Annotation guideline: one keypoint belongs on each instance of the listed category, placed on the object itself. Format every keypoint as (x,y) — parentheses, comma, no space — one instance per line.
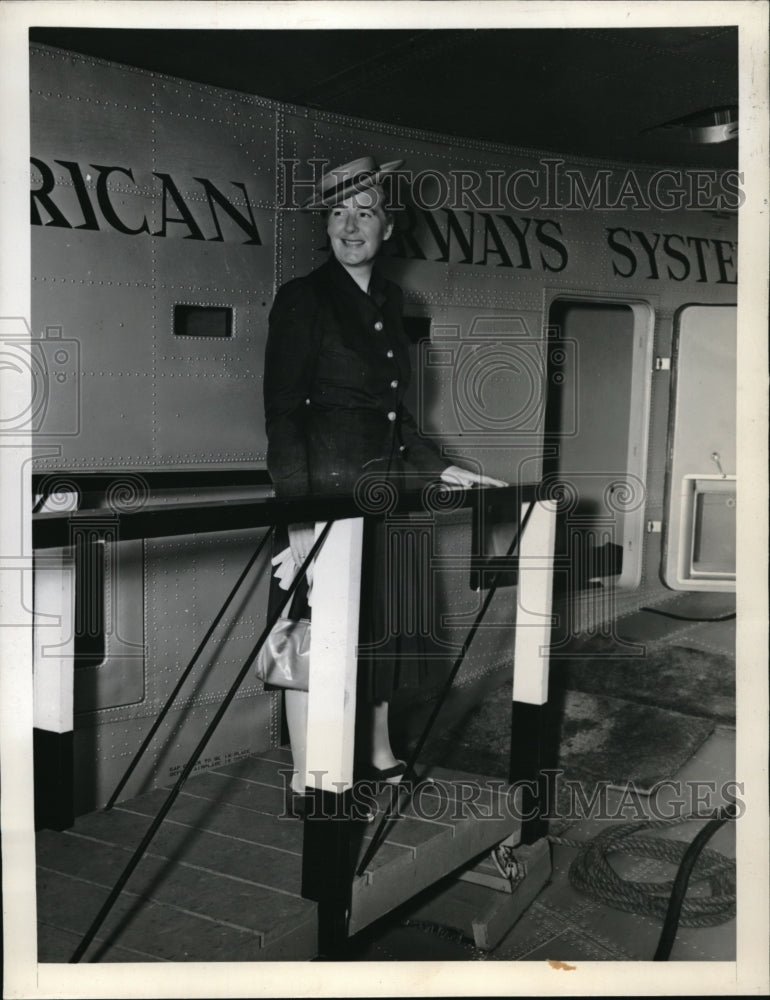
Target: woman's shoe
(387,775)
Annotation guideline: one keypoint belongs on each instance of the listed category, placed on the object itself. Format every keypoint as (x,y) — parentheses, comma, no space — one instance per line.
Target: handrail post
(327,862)
(53,674)
(531,662)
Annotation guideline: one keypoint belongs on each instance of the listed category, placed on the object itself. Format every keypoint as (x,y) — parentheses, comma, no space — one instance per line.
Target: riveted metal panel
(190,122)
(479,388)
(119,315)
(102,753)
(62,255)
(179,440)
(104,103)
(120,426)
(187,581)
(227,272)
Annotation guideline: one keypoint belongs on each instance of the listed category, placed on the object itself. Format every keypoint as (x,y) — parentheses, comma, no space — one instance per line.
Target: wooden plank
(433,859)
(457,797)
(189,889)
(56,944)
(383,862)
(299,944)
(278,755)
(238,821)
(236,901)
(485,872)
(410,832)
(272,831)
(241,858)
(501,912)
(256,768)
(219,789)
(167,932)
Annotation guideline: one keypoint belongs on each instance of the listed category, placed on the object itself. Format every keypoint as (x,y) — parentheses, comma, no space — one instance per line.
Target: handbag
(284,660)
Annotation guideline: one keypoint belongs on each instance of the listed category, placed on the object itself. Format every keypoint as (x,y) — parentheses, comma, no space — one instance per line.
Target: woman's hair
(383,202)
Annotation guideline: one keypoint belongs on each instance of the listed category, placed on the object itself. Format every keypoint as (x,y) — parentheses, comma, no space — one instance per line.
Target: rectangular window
(203,321)
(714,533)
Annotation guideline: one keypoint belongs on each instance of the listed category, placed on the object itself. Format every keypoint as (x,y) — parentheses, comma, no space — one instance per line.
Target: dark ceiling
(592,92)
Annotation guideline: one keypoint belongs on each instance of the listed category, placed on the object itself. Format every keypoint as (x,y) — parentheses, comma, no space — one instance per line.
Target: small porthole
(203,321)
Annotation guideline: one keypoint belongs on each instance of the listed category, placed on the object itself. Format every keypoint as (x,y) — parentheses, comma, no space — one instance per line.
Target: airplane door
(699,548)
(596,433)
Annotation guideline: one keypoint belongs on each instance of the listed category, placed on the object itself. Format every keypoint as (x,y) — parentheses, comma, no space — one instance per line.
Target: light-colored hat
(341,182)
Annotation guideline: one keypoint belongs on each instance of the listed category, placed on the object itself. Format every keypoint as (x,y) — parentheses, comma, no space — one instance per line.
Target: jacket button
(378,325)
(394,384)
(389,354)
(392,415)
(402,447)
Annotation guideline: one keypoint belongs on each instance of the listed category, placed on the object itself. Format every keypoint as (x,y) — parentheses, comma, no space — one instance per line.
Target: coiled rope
(592,874)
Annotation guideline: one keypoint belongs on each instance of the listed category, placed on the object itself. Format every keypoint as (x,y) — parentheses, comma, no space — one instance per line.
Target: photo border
(24,977)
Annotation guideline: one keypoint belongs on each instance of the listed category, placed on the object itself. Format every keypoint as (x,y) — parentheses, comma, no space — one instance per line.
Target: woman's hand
(301,539)
(455,475)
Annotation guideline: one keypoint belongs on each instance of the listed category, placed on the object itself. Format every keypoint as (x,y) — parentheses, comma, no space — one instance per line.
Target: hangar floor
(221,881)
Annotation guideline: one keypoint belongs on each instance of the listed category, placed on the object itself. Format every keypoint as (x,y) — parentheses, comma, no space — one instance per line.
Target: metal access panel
(702,486)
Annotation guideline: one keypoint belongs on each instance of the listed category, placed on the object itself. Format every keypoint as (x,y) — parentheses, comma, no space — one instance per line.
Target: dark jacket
(336,371)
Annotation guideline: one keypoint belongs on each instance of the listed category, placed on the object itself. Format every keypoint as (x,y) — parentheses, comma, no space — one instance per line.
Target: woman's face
(357,228)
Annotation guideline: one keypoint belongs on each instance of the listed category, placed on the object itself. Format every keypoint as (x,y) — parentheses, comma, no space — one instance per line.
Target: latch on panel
(715,459)
(662,364)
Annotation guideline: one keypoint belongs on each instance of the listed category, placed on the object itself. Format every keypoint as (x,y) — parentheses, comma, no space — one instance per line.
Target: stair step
(450,822)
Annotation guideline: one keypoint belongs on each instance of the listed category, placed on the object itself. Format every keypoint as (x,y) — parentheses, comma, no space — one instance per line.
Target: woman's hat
(342,182)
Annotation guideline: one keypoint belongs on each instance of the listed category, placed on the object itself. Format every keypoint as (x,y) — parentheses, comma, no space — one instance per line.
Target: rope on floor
(711,902)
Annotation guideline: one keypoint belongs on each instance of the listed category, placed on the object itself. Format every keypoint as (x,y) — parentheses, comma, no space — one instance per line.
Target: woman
(336,371)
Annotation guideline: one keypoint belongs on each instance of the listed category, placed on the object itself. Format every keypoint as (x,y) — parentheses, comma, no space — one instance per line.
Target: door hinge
(662,364)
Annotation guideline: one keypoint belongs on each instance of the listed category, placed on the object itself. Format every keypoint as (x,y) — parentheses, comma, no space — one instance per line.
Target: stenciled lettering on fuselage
(174,208)
(672,256)
(444,235)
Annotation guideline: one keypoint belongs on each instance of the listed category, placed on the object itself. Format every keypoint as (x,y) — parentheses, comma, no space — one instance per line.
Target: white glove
(458,477)
(286,570)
